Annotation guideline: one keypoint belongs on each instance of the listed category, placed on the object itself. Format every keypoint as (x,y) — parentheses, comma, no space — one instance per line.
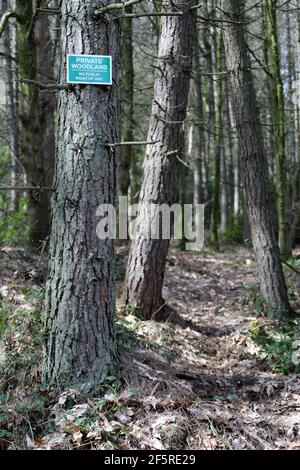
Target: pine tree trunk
(29,98)
(80,294)
(259,202)
(146,265)
(46,108)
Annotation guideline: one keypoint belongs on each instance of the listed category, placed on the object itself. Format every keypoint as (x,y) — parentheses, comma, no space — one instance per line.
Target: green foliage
(279,345)
(126,335)
(255,301)
(5,311)
(13,228)
(234,232)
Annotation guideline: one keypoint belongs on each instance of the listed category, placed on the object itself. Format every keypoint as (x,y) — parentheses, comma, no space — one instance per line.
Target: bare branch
(144,14)
(46,86)
(116,6)
(49,11)
(141,15)
(25,188)
(120,144)
(290,266)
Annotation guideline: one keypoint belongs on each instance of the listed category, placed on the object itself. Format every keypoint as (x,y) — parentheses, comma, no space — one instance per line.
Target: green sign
(89,69)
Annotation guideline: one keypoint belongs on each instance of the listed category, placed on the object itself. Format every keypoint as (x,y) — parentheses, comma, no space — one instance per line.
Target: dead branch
(46,86)
(25,188)
(116,6)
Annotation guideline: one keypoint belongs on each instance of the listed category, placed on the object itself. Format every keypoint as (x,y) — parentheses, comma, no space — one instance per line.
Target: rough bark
(36,115)
(46,107)
(259,201)
(146,265)
(80,295)
(29,95)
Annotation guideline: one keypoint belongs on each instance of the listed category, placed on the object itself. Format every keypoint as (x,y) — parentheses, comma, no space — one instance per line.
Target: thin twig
(120,144)
(116,6)
(25,188)
(49,11)
(142,15)
(46,86)
(290,266)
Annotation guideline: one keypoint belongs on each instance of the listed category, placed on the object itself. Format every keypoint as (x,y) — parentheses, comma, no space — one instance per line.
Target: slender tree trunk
(235,153)
(29,99)
(211,111)
(278,119)
(259,202)
(146,265)
(127,91)
(80,289)
(224,191)
(46,107)
(218,155)
(11,109)
(36,148)
(199,132)
(230,153)
(294,214)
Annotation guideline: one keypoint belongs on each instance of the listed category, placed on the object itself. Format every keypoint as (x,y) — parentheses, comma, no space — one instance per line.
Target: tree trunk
(231,153)
(80,294)
(259,202)
(278,121)
(11,109)
(127,94)
(36,148)
(294,72)
(146,265)
(46,107)
(224,191)
(199,130)
(218,154)
(211,111)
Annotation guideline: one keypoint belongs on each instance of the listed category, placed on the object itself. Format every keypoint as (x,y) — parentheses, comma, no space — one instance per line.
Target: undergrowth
(279,344)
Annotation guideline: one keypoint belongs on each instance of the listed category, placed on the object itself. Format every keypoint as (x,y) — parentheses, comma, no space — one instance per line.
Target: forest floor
(222,379)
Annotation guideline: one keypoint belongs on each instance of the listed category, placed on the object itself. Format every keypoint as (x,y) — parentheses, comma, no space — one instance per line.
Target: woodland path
(228,400)
(201,388)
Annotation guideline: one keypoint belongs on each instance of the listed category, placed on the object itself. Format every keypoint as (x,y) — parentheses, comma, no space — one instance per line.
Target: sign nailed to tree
(89,69)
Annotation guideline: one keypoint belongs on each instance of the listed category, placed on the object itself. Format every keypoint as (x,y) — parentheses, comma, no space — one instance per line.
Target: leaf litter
(198,385)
